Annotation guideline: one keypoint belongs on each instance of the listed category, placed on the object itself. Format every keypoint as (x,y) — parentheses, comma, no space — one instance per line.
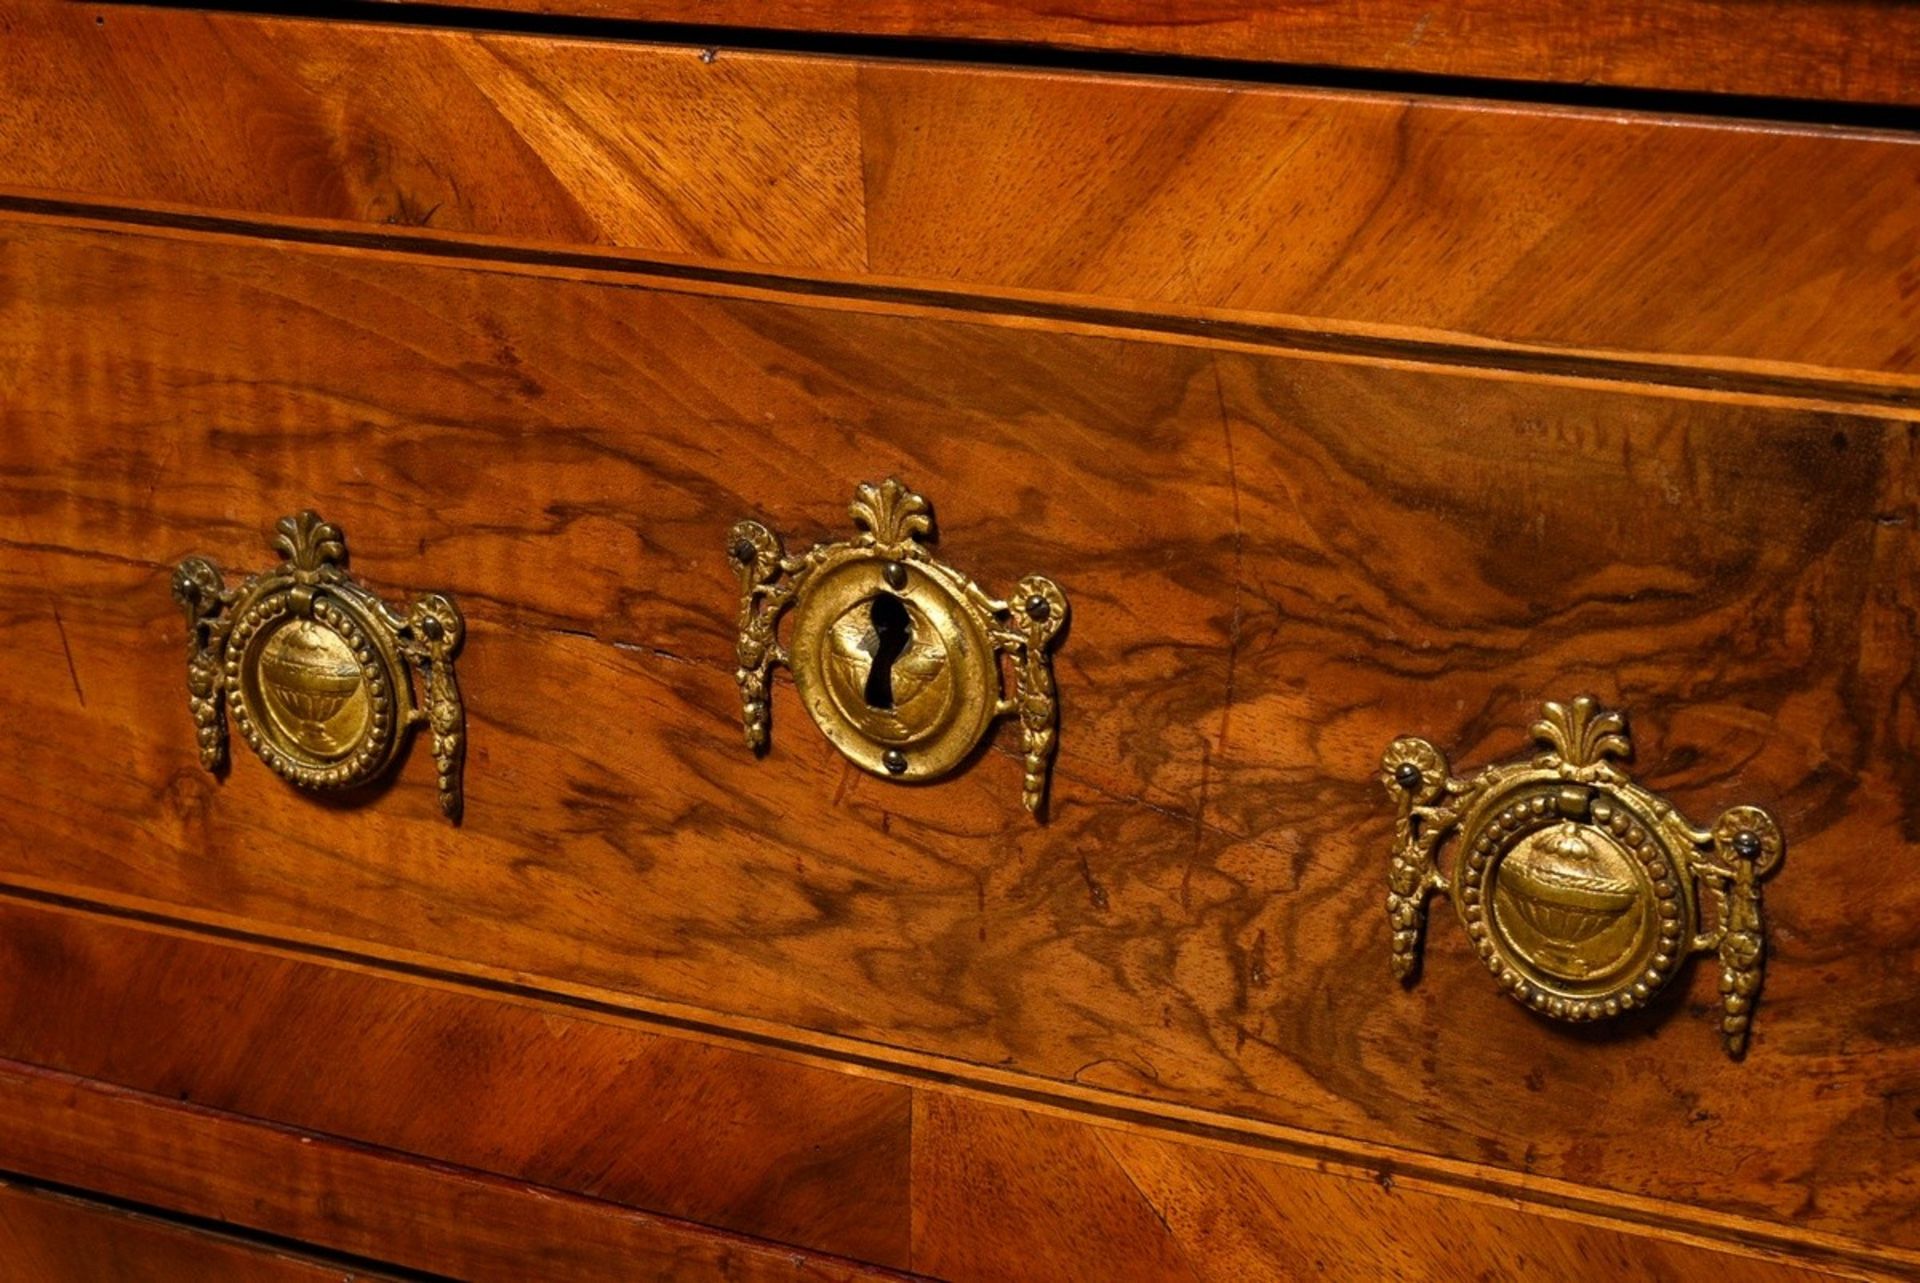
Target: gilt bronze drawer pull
(1580,889)
(897,658)
(318,672)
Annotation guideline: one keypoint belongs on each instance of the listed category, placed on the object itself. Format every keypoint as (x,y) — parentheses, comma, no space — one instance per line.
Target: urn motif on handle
(1582,892)
(323,679)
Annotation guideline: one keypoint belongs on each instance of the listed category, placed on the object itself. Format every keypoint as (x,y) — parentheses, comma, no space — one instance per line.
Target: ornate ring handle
(897,657)
(317,671)
(1581,890)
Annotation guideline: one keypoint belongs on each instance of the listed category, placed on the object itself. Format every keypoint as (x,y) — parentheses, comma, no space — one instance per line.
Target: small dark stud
(895,761)
(1039,608)
(1407,776)
(1746,845)
(744,552)
(431,627)
(896,576)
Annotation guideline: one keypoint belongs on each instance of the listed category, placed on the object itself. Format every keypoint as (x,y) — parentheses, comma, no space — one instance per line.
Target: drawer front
(1279,561)
(54,1238)
(1782,48)
(478,1168)
(1353,219)
(1339,417)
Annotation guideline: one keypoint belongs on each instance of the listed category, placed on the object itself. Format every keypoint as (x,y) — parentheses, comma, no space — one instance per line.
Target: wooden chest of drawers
(1343,403)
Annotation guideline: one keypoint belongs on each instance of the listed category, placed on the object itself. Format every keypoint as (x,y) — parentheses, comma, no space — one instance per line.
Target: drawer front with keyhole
(1298,455)
(1276,567)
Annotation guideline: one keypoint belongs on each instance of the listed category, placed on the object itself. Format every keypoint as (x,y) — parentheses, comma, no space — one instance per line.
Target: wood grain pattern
(52,1238)
(999,1193)
(784,1152)
(1679,236)
(1852,50)
(1646,234)
(569,142)
(357,1200)
(1277,565)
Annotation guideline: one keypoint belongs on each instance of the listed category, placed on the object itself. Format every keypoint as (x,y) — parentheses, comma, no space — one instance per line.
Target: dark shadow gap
(349,1263)
(1028,56)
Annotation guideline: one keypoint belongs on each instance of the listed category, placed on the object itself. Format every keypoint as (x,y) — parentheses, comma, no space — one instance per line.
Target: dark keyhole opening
(892,630)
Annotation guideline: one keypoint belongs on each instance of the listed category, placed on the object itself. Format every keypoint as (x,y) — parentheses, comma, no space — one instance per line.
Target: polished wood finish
(796,1153)
(1850,50)
(1495,224)
(997,1189)
(350,1198)
(1278,563)
(53,1238)
(1004,1194)
(1338,414)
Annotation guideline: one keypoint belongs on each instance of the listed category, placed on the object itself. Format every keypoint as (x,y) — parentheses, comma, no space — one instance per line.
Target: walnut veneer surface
(1338,414)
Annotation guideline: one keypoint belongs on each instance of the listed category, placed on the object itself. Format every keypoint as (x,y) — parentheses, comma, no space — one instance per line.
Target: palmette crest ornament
(1582,892)
(323,679)
(896,657)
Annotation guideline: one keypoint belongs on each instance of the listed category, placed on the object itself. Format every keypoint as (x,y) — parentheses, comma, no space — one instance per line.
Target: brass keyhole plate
(318,673)
(1582,892)
(944,683)
(907,698)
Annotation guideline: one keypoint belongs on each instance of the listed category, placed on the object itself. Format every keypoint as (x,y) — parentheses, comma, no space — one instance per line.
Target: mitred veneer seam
(1384,1161)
